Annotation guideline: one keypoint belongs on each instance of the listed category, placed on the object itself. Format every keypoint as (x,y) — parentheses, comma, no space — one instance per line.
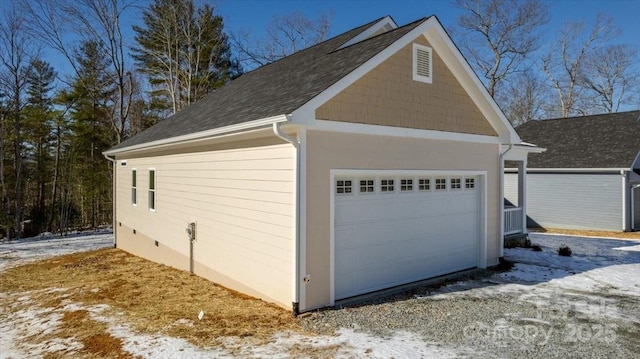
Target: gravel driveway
(547,306)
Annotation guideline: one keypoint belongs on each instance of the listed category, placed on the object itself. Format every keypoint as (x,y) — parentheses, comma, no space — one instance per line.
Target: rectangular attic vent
(422,63)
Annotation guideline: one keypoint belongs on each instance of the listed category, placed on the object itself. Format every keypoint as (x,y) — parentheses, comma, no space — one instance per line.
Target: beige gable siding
(242,201)
(388,95)
(328,150)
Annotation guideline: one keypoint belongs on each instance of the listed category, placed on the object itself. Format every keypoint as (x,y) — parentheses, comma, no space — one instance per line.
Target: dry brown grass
(152,297)
(576,232)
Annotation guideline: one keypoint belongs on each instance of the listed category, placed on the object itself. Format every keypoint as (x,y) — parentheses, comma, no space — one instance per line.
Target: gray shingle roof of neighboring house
(597,141)
(274,89)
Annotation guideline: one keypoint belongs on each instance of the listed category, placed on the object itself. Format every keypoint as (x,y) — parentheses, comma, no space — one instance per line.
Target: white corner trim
(377,130)
(387,21)
(202,134)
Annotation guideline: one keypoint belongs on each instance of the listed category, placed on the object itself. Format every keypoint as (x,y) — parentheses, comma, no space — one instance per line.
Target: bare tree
(564,64)
(284,35)
(498,35)
(609,78)
(15,54)
(525,98)
(53,21)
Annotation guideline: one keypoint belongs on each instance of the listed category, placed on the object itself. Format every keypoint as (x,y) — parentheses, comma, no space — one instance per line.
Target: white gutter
(201,135)
(113,198)
(501,197)
(296,240)
(609,170)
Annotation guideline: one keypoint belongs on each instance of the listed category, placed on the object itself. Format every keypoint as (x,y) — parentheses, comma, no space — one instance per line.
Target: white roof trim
(612,170)
(444,47)
(386,23)
(377,130)
(202,134)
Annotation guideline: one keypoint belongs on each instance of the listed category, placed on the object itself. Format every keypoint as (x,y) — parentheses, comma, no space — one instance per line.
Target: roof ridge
(585,116)
(413,23)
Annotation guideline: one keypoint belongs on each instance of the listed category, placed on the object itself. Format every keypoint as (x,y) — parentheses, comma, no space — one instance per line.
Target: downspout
(296,245)
(501,198)
(625,200)
(113,196)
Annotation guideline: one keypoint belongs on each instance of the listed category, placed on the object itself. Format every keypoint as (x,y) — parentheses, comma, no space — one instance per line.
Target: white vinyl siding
(242,201)
(570,200)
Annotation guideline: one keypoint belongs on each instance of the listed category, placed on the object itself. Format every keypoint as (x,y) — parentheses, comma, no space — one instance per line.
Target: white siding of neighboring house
(572,201)
(242,201)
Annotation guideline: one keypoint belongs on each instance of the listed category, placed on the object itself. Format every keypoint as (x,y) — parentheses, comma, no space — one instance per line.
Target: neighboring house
(588,178)
(368,161)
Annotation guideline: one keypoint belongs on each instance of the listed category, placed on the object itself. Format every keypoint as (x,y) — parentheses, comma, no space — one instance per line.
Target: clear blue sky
(253,15)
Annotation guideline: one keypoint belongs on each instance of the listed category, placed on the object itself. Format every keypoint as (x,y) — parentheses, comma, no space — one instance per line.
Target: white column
(522,192)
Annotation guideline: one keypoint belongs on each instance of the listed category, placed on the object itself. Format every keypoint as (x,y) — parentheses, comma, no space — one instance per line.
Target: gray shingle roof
(274,89)
(597,141)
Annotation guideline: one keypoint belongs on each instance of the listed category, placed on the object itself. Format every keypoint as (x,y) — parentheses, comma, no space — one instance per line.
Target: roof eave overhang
(582,170)
(200,136)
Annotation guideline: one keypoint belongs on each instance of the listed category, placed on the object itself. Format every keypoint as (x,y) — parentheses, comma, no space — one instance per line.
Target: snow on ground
(598,266)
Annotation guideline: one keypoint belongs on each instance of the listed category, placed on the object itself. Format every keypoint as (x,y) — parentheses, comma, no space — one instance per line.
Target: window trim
(410,184)
(451,179)
(392,185)
(366,185)
(134,187)
(344,186)
(429,184)
(153,190)
(416,76)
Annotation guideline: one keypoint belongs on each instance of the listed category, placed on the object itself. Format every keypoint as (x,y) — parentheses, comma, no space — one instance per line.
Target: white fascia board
(202,135)
(377,130)
(386,21)
(463,72)
(519,152)
(440,41)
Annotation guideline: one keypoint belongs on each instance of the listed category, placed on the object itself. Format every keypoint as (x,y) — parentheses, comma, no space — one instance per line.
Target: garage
(393,228)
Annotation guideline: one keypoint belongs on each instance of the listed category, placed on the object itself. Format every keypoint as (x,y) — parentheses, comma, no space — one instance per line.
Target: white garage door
(392,230)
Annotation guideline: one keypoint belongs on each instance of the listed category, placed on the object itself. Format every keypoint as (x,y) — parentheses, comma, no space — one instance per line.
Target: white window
(469,183)
(456,183)
(367,186)
(424,184)
(441,184)
(134,187)
(152,189)
(123,163)
(386,185)
(422,63)
(406,184)
(344,187)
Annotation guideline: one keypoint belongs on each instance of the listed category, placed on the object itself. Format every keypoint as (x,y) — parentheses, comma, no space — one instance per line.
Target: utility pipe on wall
(296,241)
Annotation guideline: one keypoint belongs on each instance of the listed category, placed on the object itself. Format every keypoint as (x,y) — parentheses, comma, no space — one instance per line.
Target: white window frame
(134,187)
(373,186)
(429,184)
(408,186)
(153,192)
(436,184)
(416,76)
(470,183)
(451,186)
(344,186)
(384,187)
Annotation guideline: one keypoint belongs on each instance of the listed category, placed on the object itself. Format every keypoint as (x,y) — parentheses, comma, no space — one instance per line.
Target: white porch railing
(513,220)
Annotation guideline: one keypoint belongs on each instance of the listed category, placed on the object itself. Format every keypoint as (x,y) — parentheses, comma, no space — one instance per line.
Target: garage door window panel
(456,183)
(441,184)
(367,186)
(424,184)
(344,186)
(406,184)
(469,183)
(387,185)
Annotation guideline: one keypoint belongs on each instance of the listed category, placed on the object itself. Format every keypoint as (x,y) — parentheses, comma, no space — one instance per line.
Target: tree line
(57,119)
(54,126)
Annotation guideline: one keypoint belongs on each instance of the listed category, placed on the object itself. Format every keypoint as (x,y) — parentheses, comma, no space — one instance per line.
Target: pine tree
(39,122)
(184,52)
